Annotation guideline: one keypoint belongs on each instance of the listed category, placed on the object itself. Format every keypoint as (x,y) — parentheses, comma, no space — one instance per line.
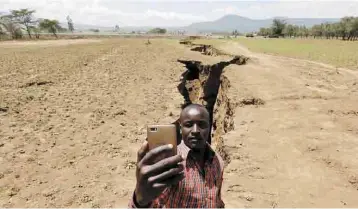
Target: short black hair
(194,105)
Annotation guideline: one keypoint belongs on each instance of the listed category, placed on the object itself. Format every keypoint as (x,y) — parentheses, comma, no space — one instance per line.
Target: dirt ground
(42,43)
(73,116)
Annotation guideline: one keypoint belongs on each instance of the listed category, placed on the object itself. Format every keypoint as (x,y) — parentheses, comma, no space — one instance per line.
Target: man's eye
(203,125)
(188,124)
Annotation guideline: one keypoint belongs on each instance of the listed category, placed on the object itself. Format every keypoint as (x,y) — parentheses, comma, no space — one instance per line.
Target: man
(191,179)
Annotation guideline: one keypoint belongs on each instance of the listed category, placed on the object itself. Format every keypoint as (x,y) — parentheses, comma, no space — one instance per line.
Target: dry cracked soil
(72,117)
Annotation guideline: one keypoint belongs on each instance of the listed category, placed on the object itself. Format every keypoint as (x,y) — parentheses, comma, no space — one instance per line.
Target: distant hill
(87,27)
(229,23)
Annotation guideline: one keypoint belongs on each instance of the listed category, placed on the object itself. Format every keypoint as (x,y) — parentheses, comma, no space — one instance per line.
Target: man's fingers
(172,181)
(165,164)
(167,174)
(142,151)
(156,152)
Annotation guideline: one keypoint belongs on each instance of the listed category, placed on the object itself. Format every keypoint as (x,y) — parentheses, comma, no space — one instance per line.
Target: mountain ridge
(227,23)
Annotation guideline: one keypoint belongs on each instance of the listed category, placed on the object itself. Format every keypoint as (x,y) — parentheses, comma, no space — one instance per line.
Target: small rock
(13,191)
(171,114)
(53,144)
(312,148)
(17,176)
(2,175)
(249,198)
(85,64)
(86,199)
(123,124)
(22,151)
(2,144)
(30,159)
(353,180)
(129,165)
(95,205)
(47,193)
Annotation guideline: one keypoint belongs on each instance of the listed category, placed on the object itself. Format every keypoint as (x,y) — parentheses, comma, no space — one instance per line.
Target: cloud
(227,10)
(97,12)
(291,8)
(176,13)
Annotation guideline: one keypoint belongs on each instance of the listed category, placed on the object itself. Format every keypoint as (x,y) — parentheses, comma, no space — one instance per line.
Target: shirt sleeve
(159,202)
(221,203)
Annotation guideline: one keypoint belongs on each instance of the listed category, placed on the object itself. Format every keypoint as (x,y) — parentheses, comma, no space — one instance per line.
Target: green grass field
(335,52)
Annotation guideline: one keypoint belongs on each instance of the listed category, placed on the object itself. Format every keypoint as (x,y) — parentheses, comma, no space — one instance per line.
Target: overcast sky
(176,13)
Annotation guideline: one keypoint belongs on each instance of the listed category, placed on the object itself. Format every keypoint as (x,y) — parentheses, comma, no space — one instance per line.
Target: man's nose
(195,129)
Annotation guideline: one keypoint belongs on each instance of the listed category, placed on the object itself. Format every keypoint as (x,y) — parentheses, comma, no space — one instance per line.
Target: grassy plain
(335,52)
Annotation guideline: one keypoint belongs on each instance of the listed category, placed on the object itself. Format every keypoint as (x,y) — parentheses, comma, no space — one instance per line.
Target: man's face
(195,127)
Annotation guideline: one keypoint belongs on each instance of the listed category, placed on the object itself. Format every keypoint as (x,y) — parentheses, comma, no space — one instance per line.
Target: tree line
(23,20)
(346,29)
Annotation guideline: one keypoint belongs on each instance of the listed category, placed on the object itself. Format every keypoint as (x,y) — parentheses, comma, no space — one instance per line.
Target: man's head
(195,126)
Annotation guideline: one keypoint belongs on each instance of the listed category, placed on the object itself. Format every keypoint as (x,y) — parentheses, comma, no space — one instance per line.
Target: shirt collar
(185,151)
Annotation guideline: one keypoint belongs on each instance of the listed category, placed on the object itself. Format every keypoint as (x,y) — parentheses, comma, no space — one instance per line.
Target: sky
(177,13)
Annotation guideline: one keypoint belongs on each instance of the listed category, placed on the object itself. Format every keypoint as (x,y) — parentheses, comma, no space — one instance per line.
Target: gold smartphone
(158,135)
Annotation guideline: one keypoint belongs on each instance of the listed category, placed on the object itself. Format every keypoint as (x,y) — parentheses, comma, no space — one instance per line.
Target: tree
(3,29)
(116,28)
(8,26)
(95,30)
(305,31)
(24,17)
(70,24)
(291,30)
(235,33)
(264,31)
(158,30)
(51,26)
(317,31)
(278,26)
(36,31)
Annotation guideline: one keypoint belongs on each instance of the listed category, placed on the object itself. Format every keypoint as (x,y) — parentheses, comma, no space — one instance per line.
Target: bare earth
(72,117)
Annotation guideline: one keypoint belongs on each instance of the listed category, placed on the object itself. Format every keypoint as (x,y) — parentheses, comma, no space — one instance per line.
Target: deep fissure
(206,85)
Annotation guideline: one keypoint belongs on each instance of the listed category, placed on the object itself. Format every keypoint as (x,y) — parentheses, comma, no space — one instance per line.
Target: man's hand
(153,177)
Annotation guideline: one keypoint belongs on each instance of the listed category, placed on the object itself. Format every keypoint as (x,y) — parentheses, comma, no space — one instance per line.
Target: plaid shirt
(199,189)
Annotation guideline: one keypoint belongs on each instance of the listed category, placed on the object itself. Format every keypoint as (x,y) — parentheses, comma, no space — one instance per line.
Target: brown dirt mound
(208,50)
(251,101)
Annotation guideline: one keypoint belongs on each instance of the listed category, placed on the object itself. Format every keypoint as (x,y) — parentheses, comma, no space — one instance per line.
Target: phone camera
(153,129)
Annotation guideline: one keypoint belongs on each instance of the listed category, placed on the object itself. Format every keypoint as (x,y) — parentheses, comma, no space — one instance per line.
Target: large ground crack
(207,50)
(206,85)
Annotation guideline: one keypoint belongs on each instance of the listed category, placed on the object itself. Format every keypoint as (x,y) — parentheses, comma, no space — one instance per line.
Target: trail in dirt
(296,150)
